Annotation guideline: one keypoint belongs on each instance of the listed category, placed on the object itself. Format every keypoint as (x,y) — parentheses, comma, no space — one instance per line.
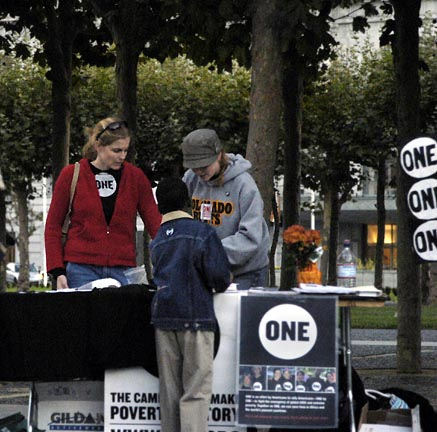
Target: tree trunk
(126,22)
(265,99)
(380,209)
(406,56)
(2,239)
(126,66)
(327,210)
(425,280)
(61,102)
(59,56)
(432,296)
(331,209)
(333,237)
(292,91)
(23,237)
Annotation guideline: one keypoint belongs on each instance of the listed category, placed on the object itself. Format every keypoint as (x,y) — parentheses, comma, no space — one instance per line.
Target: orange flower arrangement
(304,244)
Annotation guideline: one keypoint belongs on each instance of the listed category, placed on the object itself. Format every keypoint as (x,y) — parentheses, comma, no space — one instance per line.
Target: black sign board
(288,361)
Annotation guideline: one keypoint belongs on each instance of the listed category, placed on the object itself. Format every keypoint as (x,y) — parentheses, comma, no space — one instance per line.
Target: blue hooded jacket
(189,265)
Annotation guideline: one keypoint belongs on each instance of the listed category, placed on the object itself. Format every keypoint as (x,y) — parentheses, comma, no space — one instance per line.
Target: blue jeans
(81,274)
(256,278)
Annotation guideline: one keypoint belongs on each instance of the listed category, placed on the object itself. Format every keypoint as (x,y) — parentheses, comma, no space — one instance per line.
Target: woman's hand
(61,282)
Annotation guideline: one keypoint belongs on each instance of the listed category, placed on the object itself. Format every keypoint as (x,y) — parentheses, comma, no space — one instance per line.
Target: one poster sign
(132,395)
(419,157)
(425,240)
(422,199)
(276,331)
(131,401)
(287,361)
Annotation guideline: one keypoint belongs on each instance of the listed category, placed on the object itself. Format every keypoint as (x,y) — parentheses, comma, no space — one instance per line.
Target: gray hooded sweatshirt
(235,209)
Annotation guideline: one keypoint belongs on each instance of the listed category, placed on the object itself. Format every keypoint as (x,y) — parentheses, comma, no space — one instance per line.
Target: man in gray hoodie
(225,196)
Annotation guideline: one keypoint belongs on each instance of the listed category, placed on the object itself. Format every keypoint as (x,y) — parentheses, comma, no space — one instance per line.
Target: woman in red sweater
(109,193)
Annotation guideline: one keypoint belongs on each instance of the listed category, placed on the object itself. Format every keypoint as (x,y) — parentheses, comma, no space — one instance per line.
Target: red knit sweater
(90,240)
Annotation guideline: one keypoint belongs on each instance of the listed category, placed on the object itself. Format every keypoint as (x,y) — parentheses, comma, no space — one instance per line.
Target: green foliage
(350,112)
(303,31)
(429,316)
(392,296)
(386,317)
(24,121)
(374,113)
(328,147)
(32,288)
(206,31)
(93,98)
(428,76)
(174,98)
(369,264)
(52,23)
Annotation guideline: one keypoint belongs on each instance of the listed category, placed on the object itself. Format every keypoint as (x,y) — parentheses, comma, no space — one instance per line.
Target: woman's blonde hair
(103,136)
(223,163)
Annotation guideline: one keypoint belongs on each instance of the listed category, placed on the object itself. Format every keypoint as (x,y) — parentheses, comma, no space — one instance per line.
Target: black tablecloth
(58,336)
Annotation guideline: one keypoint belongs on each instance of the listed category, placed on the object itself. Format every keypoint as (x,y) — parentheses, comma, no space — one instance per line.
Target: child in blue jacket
(189,265)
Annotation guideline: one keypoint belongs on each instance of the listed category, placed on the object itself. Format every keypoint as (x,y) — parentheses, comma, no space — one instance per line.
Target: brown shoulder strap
(72,191)
(73,184)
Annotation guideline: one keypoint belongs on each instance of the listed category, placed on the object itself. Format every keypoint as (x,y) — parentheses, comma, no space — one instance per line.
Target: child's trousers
(185,362)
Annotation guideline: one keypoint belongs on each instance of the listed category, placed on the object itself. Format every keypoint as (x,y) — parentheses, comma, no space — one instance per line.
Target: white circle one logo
(419,157)
(287,331)
(288,386)
(425,240)
(257,386)
(106,184)
(422,199)
(316,386)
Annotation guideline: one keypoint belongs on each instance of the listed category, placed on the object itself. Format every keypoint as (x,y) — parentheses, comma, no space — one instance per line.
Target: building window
(390,255)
